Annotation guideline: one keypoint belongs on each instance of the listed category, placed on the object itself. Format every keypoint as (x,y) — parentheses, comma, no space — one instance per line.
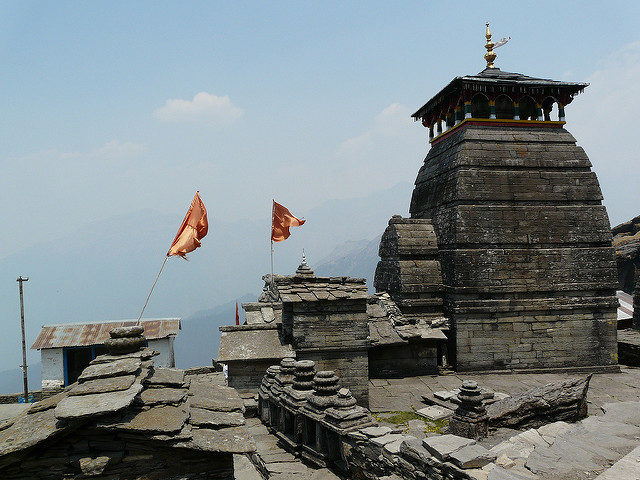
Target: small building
(333,322)
(67,349)
(248,350)
(325,320)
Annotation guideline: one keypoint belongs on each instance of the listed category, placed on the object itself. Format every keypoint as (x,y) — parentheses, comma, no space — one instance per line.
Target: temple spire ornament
(490,56)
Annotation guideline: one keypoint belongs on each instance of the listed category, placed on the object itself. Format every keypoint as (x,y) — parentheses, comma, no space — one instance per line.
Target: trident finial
(490,56)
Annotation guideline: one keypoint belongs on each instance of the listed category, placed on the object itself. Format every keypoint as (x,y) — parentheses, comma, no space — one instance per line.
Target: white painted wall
(165,347)
(53,361)
(52,368)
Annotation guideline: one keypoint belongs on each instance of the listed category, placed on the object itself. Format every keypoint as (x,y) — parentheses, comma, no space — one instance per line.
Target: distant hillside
(11,380)
(104,270)
(198,341)
(354,259)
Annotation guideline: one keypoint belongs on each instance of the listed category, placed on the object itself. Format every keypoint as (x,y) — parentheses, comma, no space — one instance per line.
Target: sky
(113,107)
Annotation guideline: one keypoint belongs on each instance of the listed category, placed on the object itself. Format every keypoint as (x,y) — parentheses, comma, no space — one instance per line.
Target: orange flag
(193,229)
(281,220)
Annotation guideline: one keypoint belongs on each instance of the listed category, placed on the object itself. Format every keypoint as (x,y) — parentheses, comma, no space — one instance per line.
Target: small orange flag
(193,229)
(281,220)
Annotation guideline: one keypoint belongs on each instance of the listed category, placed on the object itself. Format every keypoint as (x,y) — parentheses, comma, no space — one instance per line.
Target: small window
(527,109)
(504,107)
(480,106)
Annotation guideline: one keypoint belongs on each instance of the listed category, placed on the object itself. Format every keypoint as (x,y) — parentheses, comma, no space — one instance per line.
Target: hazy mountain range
(104,272)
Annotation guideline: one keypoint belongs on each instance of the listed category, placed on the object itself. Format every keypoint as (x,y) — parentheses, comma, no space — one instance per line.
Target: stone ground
(275,461)
(608,446)
(605,446)
(602,447)
(405,394)
(8,410)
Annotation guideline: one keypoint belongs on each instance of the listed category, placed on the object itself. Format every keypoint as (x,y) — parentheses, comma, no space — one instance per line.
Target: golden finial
(490,56)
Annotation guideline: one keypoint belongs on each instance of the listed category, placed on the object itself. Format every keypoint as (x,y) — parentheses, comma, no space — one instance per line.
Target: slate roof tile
(118,393)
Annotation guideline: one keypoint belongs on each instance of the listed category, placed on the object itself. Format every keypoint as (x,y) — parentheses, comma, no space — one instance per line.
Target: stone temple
(506,261)
(524,242)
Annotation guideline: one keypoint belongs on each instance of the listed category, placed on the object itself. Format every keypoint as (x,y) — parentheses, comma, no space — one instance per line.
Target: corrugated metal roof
(85,334)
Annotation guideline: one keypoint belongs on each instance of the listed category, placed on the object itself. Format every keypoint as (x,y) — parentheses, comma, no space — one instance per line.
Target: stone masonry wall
(409,267)
(398,361)
(247,374)
(336,324)
(528,269)
(352,366)
(335,334)
(117,457)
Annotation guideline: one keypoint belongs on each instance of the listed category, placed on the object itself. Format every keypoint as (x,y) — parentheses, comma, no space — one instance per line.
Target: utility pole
(24,346)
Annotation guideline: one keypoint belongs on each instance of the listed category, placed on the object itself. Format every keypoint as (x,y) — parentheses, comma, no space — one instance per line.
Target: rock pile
(626,242)
(125,419)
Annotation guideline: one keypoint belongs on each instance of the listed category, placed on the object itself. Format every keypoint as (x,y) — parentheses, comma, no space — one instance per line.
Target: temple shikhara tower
(524,242)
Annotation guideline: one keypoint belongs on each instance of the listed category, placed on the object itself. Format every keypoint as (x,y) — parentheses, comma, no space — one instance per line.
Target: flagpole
(154,286)
(273,205)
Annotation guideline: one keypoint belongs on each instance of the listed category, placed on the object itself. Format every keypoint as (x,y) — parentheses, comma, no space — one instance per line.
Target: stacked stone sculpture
(325,388)
(285,376)
(470,418)
(295,395)
(125,340)
(346,415)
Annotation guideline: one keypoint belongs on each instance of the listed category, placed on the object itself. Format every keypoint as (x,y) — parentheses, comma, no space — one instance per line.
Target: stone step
(627,468)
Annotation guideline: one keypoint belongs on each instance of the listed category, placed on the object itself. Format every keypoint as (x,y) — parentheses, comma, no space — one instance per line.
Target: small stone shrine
(312,415)
(127,420)
(524,242)
(325,320)
(470,418)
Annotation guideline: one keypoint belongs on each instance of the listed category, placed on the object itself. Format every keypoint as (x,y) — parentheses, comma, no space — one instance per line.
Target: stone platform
(605,446)
(405,394)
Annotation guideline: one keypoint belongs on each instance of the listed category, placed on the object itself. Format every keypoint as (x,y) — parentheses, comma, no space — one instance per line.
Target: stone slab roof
(86,334)
(126,393)
(262,312)
(253,344)
(388,326)
(297,289)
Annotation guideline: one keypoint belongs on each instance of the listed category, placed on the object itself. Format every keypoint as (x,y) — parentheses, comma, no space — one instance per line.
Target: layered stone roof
(127,394)
(252,342)
(297,289)
(388,326)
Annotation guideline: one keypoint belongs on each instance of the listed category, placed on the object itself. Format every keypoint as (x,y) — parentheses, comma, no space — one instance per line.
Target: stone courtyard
(604,446)
(404,394)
